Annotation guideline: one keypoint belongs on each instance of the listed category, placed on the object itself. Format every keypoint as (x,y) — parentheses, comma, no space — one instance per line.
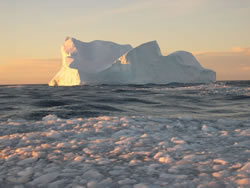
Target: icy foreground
(125,152)
(101,62)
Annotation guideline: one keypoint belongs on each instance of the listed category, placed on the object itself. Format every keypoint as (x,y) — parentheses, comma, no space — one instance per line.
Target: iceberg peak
(185,58)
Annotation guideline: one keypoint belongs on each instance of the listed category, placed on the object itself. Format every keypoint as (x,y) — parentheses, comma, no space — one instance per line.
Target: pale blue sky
(37,28)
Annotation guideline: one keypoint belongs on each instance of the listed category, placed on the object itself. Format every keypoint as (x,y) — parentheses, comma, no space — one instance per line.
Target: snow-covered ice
(128,151)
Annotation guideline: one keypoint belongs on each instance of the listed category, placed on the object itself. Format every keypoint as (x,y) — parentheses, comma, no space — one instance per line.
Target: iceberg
(82,60)
(101,62)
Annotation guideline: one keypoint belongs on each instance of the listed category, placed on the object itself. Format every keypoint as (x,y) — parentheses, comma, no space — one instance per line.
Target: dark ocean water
(229,99)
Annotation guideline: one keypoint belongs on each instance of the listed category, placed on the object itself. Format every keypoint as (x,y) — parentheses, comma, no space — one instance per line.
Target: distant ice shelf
(102,62)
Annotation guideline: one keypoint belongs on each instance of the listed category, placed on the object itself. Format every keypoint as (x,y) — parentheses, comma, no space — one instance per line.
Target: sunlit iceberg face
(69,46)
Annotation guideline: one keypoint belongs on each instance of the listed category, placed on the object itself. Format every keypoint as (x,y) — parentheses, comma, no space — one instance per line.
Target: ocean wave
(11,86)
(172,100)
(205,89)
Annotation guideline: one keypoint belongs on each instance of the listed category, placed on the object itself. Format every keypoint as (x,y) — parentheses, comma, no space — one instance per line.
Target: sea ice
(119,156)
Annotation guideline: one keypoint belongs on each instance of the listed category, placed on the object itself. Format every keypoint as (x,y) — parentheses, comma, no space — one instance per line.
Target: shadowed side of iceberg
(134,67)
(145,64)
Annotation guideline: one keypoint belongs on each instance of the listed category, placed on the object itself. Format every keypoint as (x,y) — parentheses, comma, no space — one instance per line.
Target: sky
(217,32)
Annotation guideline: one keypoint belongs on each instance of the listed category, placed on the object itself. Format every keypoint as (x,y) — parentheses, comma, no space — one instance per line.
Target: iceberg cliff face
(101,62)
(66,76)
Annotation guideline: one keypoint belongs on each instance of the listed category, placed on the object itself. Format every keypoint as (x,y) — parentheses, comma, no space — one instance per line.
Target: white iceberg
(101,62)
(82,60)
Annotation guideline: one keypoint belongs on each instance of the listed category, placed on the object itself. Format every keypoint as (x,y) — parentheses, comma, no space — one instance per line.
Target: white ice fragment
(64,145)
(159,154)
(26,172)
(153,167)
(172,176)
(79,158)
(134,162)
(27,161)
(245,132)
(221,174)
(165,159)
(56,184)
(19,186)
(178,168)
(53,134)
(45,179)
(244,181)
(38,154)
(226,122)
(103,161)
(127,181)
(92,184)
(141,185)
(219,167)
(176,140)
(210,184)
(18,180)
(245,168)
(116,172)
(205,128)
(106,182)
(194,158)
(123,132)
(224,133)
(50,117)
(144,135)
(180,147)
(92,174)
(14,123)
(236,166)
(220,161)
